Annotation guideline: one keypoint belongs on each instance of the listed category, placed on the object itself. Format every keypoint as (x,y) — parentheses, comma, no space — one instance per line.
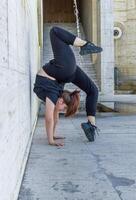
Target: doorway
(61,11)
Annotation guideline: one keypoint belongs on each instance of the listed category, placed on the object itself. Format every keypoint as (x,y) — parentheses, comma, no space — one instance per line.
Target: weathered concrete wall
(107,56)
(89,15)
(86,16)
(125,48)
(97,19)
(125,108)
(19,61)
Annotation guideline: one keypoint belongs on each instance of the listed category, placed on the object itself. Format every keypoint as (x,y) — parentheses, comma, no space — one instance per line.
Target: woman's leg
(63,54)
(88,86)
(64,63)
(79,42)
(81,80)
(64,57)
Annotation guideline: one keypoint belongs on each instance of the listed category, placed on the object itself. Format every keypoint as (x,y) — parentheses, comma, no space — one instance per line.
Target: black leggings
(65,69)
(63,66)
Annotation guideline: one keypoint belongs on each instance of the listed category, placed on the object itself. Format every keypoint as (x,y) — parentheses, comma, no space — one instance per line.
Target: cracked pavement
(102,170)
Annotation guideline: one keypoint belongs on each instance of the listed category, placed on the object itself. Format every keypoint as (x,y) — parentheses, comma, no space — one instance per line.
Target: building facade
(125,45)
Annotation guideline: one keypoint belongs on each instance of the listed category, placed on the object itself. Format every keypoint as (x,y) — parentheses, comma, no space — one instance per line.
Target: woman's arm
(49,122)
(56,119)
(49,119)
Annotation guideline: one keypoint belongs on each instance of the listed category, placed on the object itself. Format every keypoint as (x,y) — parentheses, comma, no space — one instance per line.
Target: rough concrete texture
(19,61)
(103,170)
(125,13)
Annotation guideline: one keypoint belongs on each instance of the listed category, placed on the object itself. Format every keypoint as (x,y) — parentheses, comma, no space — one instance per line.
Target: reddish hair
(72,100)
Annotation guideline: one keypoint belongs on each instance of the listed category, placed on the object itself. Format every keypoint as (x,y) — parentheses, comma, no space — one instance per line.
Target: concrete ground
(102,170)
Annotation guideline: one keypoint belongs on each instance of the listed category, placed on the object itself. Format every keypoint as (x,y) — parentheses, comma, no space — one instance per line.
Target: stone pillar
(107,43)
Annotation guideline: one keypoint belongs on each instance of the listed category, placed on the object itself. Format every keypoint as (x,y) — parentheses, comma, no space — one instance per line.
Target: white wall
(19,61)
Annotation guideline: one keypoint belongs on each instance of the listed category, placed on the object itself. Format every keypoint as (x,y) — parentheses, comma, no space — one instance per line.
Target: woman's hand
(54,143)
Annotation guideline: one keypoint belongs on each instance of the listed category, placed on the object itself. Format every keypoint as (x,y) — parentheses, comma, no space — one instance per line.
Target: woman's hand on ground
(58,137)
(54,143)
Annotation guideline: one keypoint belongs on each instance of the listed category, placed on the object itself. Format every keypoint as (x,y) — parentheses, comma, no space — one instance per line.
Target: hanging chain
(77,18)
(76,12)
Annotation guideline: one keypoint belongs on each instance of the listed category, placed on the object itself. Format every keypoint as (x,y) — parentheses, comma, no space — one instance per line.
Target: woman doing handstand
(51,78)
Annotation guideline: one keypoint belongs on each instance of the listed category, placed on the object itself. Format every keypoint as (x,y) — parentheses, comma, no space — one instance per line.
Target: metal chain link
(76,12)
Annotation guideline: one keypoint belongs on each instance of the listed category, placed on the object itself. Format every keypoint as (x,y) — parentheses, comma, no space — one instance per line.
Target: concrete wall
(19,61)
(90,18)
(107,56)
(125,48)
(125,108)
(86,17)
(97,19)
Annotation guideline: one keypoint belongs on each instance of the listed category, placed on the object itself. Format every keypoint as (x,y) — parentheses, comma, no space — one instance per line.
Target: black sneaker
(89,48)
(90,130)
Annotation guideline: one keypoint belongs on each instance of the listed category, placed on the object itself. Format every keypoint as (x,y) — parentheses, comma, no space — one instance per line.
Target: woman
(51,78)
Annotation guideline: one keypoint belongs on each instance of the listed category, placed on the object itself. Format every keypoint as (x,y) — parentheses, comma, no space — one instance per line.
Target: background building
(125,51)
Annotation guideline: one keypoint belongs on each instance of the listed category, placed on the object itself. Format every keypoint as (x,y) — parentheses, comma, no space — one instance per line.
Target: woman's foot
(89,48)
(89,130)
(58,137)
(54,143)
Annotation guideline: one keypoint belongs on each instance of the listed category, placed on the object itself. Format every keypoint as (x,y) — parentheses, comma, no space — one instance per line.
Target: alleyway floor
(103,170)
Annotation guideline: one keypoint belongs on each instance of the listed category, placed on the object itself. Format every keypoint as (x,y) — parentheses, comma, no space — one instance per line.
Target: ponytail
(72,100)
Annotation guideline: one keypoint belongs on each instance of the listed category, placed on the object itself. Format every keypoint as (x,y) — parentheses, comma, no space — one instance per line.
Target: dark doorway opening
(58,11)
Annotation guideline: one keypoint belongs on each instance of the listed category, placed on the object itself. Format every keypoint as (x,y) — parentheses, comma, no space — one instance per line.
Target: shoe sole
(87,132)
(84,52)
